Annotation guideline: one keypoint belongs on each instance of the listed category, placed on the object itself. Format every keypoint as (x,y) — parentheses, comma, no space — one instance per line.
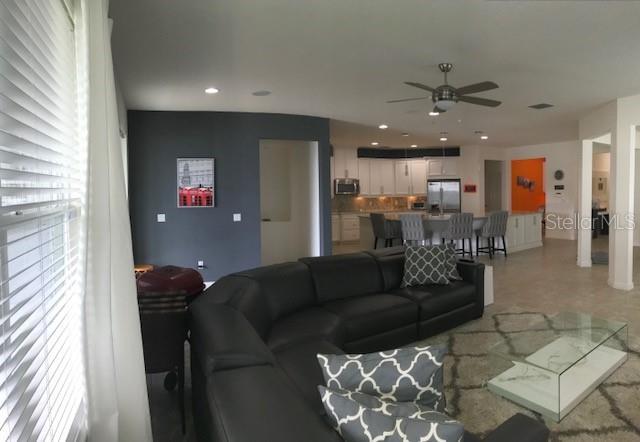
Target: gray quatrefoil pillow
(356,422)
(451,262)
(425,265)
(412,374)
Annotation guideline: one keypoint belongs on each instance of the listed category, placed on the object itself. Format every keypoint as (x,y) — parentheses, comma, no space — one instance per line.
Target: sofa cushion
(411,374)
(314,322)
(425,265)
(300,364)
(372,314)
(286,287)
(224,337)
(392,270)
(358,423)
(260,404)
(342,276)
(436,299)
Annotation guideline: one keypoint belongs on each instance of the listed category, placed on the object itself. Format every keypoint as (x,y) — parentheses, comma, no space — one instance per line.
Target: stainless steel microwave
(346,186)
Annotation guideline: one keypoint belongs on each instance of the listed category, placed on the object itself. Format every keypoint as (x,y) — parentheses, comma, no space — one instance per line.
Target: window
(42,197)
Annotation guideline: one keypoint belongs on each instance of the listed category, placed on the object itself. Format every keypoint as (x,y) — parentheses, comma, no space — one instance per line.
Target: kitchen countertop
(435,217)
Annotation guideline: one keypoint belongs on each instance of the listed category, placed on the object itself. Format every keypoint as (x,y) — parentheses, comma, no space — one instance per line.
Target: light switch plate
(161,218)
(237,217)
(200,264)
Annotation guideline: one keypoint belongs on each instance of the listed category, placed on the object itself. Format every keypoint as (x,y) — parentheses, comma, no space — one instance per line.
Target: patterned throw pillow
(451,262)
(413,374)
(425,265)
(356,422)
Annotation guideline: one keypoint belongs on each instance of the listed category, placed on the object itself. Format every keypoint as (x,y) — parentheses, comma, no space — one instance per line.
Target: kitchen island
(524,229)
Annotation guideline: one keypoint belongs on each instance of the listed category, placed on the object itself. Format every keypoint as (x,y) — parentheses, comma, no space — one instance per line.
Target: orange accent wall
(531,170)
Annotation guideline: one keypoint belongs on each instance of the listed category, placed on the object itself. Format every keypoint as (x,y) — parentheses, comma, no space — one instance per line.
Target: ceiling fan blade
(480,101)
(408,99)
(477,87)
(419,86)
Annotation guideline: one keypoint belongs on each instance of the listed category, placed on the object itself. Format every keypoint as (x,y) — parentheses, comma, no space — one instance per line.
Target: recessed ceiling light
(484,137)
(443,138)
(405,134)
(414,145)
(434,114)
(261,93)
(383,126)
(211,90)
(374,143)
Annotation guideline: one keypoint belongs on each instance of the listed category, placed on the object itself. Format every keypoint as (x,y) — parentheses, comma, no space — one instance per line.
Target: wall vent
(541,106)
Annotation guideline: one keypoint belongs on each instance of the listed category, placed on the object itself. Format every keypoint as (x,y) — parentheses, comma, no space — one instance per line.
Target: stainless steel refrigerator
(443,195)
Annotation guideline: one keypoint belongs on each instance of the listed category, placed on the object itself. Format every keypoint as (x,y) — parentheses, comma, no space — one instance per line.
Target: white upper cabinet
(345,163)
(418,169)
(403,177)
(382,177)
(364,175)
(438,167)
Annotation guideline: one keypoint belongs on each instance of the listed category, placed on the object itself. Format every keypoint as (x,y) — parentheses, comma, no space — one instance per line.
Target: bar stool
(414,231)
(385,229)
(496,226)
(460,227)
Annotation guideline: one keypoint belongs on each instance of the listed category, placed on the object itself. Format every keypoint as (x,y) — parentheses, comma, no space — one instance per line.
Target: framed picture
(196,181)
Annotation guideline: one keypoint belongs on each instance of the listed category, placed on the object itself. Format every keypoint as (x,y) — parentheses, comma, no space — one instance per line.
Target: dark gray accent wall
(156,139)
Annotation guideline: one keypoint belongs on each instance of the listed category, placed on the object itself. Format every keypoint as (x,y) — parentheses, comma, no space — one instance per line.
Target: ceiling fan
(445,96)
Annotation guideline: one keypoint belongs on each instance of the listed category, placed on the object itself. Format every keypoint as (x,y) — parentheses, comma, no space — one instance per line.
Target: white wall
(289,188)
(471,170)
(558,156)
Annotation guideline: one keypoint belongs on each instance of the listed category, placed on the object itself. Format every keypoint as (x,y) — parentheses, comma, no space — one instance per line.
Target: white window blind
(42,198)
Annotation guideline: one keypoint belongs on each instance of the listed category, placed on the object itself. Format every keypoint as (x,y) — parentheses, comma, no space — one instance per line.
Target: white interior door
(289,200)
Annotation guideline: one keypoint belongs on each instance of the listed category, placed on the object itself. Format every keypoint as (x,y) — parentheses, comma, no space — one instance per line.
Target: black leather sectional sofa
(255,335)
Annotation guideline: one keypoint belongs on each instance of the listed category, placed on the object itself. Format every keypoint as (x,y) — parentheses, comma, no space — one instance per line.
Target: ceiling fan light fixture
(434,114)
(414,145)
(383,126)
(484,137)
(211,90)
(443,138)
(445,105)
(374,143)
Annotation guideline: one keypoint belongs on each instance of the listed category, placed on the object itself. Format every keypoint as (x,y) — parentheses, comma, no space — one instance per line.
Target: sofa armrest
(223,338)
(473,272)
(521,428)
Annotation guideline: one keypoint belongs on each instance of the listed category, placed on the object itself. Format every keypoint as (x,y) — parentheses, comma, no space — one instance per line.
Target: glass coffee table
(556,363)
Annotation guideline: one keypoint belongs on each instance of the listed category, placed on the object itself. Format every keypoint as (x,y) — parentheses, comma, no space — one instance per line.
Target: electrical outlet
(200,264)
(161,218)
(237,217)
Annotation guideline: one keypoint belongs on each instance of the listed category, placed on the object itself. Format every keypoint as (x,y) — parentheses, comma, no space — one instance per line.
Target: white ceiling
(344,59)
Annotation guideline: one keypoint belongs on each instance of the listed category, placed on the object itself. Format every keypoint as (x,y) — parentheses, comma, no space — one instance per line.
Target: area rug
(610,413)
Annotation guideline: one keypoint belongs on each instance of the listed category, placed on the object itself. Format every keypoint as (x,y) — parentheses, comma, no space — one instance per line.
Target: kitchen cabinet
(524,231)
(349,227)
(345,163)
(382,177)
(403,177)
(411,177)
(533,228)
(418,170)
(335,228)
(440,167)
(364,175)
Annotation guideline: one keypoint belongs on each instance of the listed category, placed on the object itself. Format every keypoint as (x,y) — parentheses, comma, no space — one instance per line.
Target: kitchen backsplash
(347,203)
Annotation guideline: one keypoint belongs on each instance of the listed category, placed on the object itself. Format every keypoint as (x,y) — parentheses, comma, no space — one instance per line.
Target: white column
(584,204)
(621,211)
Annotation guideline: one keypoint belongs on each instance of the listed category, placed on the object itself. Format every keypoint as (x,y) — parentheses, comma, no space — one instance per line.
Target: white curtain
(117,392)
